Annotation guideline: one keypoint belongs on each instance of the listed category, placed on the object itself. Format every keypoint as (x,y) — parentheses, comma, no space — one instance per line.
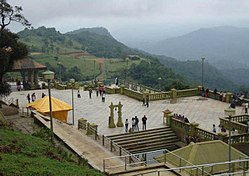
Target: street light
(59,63)
(202,71)
(126,70)
(72,81)
(159,79)
(229,112)
(49,75)
(94,63)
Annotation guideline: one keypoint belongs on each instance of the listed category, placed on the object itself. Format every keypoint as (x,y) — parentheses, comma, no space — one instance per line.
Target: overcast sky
(134,19)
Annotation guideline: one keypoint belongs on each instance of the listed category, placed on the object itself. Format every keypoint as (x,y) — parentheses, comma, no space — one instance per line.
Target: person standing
(97,91)
(33,97)
(246,108)
(43,95)
(103,97)
(215,94)
(147,101)
(144,120)
(90,93)
(136,123)
(126,125)
(78,94)
(28,98)
(133,123)
(214,129)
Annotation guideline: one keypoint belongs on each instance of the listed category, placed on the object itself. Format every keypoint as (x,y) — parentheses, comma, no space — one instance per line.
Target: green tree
(9,14)
(10,48)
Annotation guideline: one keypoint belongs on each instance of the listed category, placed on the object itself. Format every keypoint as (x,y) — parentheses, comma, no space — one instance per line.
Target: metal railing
(242,163)
(145,162)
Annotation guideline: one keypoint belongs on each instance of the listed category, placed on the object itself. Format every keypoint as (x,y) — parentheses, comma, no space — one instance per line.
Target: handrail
(145,162)
(242,128)
(203,166)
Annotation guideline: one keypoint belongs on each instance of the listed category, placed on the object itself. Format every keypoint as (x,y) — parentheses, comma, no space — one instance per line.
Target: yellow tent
(59,108)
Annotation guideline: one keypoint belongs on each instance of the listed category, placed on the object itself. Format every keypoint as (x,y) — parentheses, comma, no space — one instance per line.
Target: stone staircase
(146,141)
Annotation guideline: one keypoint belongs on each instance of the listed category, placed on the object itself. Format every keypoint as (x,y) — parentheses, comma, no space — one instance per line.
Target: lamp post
(59,63)
(229,112)
(94,63)
(49,75)
(202,71)
(159,79)
(126,70)
(72,81)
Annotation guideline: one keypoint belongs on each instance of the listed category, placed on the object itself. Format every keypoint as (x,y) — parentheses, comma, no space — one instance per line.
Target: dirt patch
(76,54)
(9,110)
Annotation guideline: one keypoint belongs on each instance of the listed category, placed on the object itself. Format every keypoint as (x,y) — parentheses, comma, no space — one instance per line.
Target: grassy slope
(86,64)
(22,154)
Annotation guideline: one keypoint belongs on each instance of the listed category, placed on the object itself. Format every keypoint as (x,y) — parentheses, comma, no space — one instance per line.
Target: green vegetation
(70,66)
(213,78)
(22,154)
(155,75)
(108,59)
(48,40)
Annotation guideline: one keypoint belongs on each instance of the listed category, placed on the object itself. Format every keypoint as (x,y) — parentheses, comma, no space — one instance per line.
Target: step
(158,147)
(143,136)
(147,144)
(146,140)
(139,132)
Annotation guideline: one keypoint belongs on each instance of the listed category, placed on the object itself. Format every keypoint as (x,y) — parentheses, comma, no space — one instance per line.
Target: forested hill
(96,30)
(192,71)
(100,43)
(96,41)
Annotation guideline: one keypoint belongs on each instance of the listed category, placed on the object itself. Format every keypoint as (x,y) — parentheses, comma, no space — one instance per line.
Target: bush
(5,89)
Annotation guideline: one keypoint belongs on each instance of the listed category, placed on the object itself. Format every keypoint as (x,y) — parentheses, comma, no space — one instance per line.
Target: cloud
(115,14)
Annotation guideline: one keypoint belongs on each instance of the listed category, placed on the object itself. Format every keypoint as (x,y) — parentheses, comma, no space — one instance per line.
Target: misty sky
(134,20)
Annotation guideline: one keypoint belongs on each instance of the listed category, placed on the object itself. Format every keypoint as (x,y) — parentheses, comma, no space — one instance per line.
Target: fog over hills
(217,44)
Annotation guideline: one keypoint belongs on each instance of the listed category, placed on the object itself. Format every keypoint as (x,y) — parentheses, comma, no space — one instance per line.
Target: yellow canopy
(59,108)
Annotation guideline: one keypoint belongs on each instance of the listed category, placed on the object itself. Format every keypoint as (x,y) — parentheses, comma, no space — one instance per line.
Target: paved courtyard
(205,112)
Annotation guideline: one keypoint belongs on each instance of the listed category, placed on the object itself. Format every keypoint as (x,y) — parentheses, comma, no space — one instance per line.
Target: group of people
(32,97)
(194,139)
(134,124)
(222,129)
(99,91)
(181,117)
(204,93)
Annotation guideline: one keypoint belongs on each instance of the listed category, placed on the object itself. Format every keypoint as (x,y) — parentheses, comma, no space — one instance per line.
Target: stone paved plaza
(203,111)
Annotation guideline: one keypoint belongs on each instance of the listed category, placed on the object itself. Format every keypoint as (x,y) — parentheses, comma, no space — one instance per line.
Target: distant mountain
(238,76)
(99,42)
(222,46)
(96,41)
(96,30)
(47,40)
(192,71)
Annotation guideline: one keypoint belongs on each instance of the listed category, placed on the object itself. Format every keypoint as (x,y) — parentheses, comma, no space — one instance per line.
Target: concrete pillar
(222,136)
(173,94)
(199,90)
(229,97)
(82,123)
(122,89)
(193,127)
(167,116)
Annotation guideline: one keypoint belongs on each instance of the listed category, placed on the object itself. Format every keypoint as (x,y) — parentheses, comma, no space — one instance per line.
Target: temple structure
(29,71)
